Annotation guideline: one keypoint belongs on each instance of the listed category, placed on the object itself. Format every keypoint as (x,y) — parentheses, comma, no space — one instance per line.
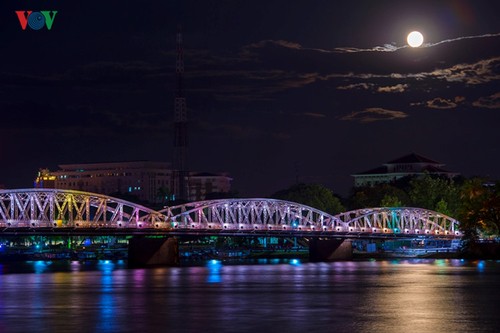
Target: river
(419,295)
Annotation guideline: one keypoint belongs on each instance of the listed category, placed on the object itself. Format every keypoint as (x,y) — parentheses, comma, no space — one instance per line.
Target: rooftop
(421,164)
(413,158)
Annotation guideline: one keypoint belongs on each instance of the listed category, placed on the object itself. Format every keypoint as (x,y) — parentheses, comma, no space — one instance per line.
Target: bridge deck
(68,212)
(62,231)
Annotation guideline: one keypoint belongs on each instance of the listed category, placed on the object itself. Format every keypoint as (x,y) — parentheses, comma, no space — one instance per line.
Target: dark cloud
(314,115)
(441,103)
(393,48)
(490,102)
(263,80)
(398,88)
(461,38)
(362,85)
(482,71)
(374,114)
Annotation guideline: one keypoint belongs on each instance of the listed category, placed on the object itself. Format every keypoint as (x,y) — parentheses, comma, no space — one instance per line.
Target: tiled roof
(379,170)
(413,158)
(432,167)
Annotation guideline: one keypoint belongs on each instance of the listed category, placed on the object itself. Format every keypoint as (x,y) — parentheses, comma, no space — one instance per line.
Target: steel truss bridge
(68,212)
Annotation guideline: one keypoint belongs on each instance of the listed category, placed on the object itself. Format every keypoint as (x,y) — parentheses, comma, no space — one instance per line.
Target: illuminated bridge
(67,212)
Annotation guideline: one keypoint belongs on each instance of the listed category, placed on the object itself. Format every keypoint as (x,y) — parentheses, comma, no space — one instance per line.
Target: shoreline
(480,251)
(261,255)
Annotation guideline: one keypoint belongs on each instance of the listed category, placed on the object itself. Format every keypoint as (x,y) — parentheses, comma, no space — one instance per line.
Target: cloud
(393,48)
(392,89)
(461,38)
(280,42)
(362,85)
(370,115)
(384,48)
(482,71)
(314,115)
(479,72)
(417,103)
(490,102)
(253,85)
(441,103)
(331,64)
(248,50)
(348,49)
(234,78)
(398,88)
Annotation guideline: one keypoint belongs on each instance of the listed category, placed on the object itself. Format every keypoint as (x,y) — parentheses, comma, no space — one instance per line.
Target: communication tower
(180,163)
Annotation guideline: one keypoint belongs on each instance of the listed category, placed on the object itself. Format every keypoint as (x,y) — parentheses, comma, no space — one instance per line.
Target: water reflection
(40,266)
(480,266)
(107,306)
(214,268)
(365,296)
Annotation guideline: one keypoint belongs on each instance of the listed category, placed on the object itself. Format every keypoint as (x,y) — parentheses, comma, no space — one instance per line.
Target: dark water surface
(266,296)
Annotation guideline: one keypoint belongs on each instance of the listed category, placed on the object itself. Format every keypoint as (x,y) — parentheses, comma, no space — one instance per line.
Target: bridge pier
(143,251)
(329,249)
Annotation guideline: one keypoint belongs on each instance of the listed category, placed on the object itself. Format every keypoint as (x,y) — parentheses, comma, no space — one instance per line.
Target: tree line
(473,201)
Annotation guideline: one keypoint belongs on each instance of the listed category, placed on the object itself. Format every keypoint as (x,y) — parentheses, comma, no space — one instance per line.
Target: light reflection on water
(289,295)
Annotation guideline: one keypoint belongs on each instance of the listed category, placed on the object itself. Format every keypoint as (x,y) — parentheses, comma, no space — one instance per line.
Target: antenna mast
(180,125)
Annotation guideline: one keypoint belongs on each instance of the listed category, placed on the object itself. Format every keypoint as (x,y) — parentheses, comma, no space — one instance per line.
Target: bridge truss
(51,208)
(37,210)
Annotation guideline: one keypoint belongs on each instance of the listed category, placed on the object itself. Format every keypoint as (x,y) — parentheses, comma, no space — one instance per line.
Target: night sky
(277,91)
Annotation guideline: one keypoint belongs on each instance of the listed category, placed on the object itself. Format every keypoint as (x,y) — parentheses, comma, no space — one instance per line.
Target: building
(45,179)
(151,182)
(201,184)
(409,165)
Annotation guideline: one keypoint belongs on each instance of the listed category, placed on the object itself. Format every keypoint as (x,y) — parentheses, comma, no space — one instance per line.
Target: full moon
(415,39)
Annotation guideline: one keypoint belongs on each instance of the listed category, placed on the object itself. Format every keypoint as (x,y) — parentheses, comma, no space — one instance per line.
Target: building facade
(149,181)
(409,165)
(202,184)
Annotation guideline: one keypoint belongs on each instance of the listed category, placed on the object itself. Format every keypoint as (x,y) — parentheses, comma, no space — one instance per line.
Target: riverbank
(478,251)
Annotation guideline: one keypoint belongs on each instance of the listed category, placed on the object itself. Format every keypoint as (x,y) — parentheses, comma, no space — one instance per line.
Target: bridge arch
(400,220)
(52,208)
(59,209)
(250,214)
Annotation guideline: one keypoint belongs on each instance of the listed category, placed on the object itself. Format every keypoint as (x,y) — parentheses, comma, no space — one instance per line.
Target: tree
(382,195)
(469,214)
(479,214)
(435,193)
(390,201)
(313,195)
(163,194)
(442,207)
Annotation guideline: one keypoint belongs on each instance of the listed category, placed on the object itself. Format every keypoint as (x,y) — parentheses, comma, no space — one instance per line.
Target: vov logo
(36,20)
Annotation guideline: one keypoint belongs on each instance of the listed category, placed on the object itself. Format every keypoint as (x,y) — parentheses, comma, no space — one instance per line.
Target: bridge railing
(250,214)
(400,220)
(59,209)
(50,208)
